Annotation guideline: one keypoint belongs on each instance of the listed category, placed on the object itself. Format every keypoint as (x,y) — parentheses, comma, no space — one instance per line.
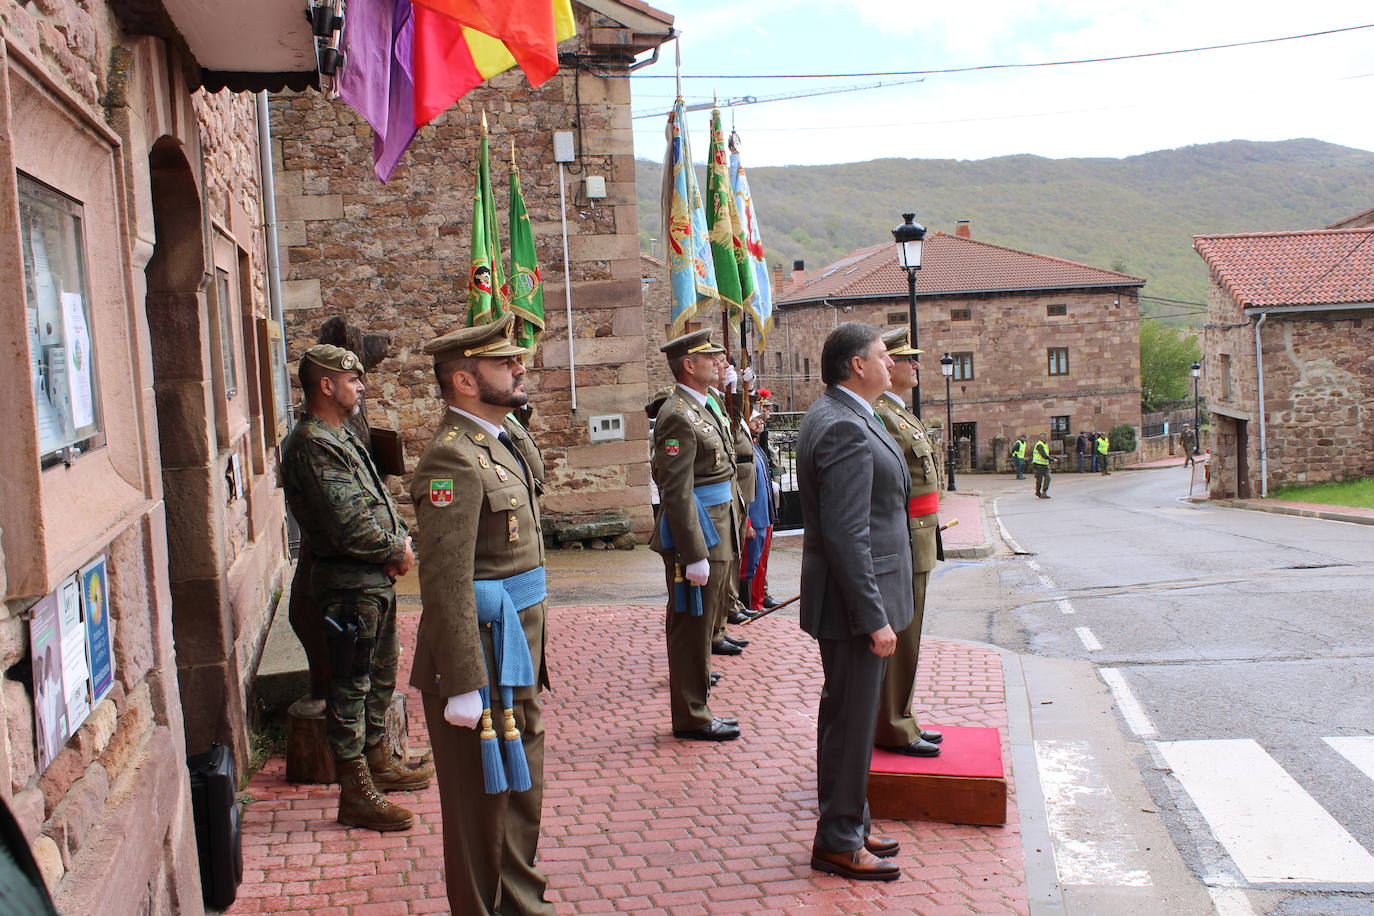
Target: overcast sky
(1319,87)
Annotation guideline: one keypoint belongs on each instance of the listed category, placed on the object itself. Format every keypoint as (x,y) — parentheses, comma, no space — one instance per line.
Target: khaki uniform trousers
(896,725)
(689,645)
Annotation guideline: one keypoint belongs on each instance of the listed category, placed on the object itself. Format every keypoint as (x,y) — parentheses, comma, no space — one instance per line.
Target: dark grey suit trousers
(844,740)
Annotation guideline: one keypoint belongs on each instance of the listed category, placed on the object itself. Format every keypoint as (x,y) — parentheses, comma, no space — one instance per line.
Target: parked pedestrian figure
(361,547)
(1189,439)
(480,658)
(1018,456)
(1082,448)
(1040,464)
(1102,446)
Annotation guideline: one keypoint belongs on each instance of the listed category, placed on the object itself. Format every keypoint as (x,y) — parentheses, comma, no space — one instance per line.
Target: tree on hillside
(1166,355)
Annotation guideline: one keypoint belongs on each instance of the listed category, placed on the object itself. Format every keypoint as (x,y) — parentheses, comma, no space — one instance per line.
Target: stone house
(1041,344)
(393,259)
(1288,357)
(142,433)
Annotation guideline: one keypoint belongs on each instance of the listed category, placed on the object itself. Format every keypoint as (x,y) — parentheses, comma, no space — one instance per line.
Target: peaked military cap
(336,359)
(484,340)
(697,343)
(898,342)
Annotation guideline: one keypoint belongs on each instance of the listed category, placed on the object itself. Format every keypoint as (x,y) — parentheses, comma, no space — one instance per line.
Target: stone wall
(1318,384)
(393,259)
(1009,334)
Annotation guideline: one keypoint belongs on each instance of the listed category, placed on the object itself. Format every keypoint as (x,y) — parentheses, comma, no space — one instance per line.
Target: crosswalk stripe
(1270,827)
(1359,750)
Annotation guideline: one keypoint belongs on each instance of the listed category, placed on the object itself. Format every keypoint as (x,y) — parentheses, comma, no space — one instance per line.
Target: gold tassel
(512,733)
(488,732)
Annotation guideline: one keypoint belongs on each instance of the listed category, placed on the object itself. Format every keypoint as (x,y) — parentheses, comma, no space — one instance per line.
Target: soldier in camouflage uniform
(897,728)
(361,547)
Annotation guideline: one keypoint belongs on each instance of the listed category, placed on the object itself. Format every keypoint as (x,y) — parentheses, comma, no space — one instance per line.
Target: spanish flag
(460,44)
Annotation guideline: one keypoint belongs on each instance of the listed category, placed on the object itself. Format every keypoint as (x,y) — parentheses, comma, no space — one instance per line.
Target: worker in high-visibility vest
(1102,446)
(1018,456)
(1040,464)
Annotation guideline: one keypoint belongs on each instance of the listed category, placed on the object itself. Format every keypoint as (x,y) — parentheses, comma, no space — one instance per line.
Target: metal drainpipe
(1263,444)
(269,214)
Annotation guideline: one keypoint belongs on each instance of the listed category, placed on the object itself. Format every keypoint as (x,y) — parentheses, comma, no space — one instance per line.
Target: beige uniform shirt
(923,462)
(692,447)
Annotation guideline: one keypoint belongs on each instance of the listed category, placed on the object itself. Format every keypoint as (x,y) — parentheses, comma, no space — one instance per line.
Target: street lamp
(947,370)
(909,236)
(1196,370)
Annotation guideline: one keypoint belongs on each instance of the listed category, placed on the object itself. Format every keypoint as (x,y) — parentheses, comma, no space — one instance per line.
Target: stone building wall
(1009,334)
(1318,383)
(393,259)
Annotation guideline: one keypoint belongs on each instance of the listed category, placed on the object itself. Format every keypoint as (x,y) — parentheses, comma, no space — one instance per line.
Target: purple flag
(376,78)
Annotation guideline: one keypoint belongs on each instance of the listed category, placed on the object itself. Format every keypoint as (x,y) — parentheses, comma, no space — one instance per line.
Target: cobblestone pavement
(637,821)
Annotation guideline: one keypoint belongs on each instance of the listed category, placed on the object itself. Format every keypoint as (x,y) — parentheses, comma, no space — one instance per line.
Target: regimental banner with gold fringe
(487,288)
(734,275)
(688,251)
(526,294)
(761,306)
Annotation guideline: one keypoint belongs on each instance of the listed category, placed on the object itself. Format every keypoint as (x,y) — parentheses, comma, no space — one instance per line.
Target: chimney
(778,280)
(961,229)
(798,271)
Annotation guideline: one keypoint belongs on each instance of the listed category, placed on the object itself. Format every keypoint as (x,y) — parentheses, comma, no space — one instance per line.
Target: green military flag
(526,295)
(487,289)
(734,274)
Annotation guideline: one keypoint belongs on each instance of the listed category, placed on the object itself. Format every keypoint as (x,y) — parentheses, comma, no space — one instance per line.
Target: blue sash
(499,603)
(688,596)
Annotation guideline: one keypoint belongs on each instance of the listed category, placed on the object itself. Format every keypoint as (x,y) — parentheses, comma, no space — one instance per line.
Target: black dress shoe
(728,720)
(917,748)
(737,640)
(716,731)
(932,736)
(769,601)
(738,617)
(715,678)
(725,647)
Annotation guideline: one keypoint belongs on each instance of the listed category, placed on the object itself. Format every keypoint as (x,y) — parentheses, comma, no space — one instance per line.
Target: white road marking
(1093,845)
(1130,707)
(1358,750)
(1006,536)
(1271,828)
(1230,901)
(1089,641)
(1064,606)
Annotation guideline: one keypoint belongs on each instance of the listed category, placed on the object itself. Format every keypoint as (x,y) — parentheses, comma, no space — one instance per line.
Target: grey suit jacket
(856,549)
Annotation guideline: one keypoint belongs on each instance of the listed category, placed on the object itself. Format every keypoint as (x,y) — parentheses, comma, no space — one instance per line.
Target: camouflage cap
(697,343)
(657,400)
(484,340)
(335,359)
(898,342)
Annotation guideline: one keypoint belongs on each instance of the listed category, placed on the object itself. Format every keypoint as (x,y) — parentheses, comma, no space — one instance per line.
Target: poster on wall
(49,706)
(95,595)
(76,667)
(79,360)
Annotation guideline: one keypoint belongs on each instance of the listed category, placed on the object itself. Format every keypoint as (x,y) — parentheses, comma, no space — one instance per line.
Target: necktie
(505,440)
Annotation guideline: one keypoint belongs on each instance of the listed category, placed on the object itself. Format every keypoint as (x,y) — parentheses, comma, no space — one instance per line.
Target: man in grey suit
(856,590)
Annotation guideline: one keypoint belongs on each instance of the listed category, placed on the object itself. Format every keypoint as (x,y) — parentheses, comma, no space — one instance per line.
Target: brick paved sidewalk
(637,821)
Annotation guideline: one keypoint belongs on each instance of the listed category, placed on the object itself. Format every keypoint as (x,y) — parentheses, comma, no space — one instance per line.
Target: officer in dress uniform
(732,609)
(897,728)
(697,529)
(479,657)
(360,546)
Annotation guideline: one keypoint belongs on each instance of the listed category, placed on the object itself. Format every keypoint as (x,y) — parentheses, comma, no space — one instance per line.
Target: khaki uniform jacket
(478,518)
(924,464)
(692,447)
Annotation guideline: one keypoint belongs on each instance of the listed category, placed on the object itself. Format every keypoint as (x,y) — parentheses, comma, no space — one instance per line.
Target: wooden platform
(966,784)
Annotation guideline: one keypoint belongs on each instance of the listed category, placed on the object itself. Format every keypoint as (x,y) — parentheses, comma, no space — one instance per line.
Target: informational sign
(95,596)
(76,665)
(49,706)
(79,360)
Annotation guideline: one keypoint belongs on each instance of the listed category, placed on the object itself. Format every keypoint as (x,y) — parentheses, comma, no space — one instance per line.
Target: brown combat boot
(390,775)
(361,805)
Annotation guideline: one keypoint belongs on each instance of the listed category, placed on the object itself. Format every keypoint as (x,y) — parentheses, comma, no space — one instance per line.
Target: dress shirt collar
(867,406)
(494,430)
(901,402)
(697,396)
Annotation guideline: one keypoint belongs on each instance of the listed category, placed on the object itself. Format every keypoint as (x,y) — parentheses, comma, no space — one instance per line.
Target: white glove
(747,375)
(698,572)
(464,710)
(728,383)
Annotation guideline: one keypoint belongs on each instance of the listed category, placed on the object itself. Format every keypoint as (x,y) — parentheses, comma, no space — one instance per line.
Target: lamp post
(947,370)
(1196,370)
(908,237)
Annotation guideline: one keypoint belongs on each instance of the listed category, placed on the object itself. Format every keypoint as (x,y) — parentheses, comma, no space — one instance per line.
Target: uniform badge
(512,528)
(479,437)
(501,473)
(440,491)
(482,462)
(672,447)
(902,424)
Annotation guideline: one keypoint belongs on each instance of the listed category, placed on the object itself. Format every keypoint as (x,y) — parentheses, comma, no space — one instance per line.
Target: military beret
(697,343)
(484,340)
(898,342)
(336,359)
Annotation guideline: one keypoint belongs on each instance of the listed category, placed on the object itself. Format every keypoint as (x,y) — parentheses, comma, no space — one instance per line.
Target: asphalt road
(1234,657)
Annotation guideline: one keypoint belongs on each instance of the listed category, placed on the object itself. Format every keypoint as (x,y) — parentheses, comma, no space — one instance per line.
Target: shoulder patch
(672,447)
(440,491)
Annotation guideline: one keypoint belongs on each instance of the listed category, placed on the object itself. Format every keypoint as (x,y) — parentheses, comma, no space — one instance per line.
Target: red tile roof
(949,264)
(1319,267)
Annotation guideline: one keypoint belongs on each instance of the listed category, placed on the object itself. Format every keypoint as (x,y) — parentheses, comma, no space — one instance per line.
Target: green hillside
(1137,214)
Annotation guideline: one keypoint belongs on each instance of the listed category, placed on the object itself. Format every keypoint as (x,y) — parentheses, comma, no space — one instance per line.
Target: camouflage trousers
(360,630)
